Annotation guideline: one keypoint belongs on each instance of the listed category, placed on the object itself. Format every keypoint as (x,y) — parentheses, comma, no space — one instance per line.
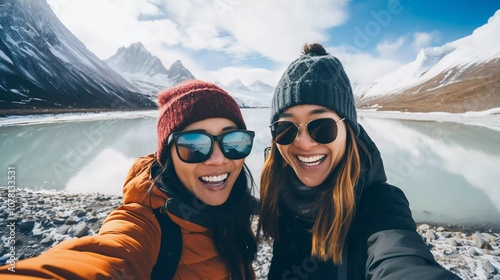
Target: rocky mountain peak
(444,78)
(136,59)
(259,86)
(178,73)
(44,66)
(146,71)
(237,84)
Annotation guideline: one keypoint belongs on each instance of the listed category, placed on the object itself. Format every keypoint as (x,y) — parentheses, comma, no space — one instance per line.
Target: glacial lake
(450,172)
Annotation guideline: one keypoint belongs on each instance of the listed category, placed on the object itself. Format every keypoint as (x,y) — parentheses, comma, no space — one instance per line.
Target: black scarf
(304,201)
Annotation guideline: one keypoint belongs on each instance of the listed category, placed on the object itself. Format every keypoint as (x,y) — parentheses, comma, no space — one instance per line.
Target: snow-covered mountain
(459,76)
(178,73)
(144,70)
(257,94)
(136,60)
(237,84)
(44,66)
(259,86)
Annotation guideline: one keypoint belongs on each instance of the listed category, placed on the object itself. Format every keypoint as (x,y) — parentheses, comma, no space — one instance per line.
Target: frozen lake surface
(448,165)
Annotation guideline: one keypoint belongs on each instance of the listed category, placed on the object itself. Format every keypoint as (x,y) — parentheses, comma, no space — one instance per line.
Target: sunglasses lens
(237,144)
(284,132)
(194,147)
(323,131)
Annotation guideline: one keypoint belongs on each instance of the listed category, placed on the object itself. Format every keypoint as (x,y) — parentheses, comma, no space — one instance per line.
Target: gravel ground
(45,218)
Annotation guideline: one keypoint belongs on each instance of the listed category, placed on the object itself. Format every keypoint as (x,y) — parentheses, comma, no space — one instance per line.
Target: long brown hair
(337,207)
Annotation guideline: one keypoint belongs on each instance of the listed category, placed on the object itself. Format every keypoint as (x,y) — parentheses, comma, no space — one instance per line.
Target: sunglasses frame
(306,125)
(213,138)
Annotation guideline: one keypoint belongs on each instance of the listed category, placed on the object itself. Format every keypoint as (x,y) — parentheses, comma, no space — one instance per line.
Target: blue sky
(221,40)
(446,20)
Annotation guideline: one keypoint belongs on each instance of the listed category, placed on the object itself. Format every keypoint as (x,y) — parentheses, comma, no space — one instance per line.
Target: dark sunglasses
(323,131)
(197,146)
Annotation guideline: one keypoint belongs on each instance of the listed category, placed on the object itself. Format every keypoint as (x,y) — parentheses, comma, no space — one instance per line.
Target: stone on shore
(57,216)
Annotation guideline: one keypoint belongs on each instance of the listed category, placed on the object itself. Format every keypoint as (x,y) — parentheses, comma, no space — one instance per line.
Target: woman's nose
(217,157)
(304,140)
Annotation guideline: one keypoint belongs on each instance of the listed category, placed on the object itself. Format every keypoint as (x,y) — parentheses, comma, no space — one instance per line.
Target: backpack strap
(170,248)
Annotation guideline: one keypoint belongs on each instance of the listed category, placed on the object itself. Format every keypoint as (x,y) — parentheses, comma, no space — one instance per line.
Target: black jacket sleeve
(395,249)
(401,254)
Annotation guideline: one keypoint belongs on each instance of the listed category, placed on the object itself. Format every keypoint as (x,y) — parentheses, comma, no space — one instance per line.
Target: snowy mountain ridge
(146,71)
(136,59)
(452,59)
(237,84)
(255,95)
(259,86)
(44,66)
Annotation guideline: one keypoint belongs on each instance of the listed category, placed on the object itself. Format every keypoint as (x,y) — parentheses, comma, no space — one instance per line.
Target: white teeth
(310,159)
(217,178)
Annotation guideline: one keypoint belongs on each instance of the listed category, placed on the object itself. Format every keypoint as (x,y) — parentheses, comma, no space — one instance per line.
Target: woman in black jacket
(325,199)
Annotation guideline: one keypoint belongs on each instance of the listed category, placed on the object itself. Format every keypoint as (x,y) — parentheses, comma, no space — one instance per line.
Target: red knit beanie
(191,102)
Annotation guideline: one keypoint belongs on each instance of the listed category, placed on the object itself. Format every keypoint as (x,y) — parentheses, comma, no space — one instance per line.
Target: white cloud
(226,30)
(390,48)
(364,68)
(201,36)
(267,28)
(236,27)
(106,25)
(423,39)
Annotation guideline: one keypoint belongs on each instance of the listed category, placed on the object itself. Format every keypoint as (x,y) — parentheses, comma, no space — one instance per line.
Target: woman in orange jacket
(197,177)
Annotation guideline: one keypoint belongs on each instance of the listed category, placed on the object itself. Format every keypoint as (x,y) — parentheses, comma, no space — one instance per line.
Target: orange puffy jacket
(128,243)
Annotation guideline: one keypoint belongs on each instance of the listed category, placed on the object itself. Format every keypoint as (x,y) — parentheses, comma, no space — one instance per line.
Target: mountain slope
(145,71)
(136,60)
(259,86)
(257,94)
(460,76)
(237,84)
(177,73)
(44,66)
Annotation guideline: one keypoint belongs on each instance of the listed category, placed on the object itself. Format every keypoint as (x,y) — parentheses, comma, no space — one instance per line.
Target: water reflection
(54,156)
(450,172)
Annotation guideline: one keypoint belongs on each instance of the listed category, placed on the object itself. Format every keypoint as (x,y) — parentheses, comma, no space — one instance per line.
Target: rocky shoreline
(45,218)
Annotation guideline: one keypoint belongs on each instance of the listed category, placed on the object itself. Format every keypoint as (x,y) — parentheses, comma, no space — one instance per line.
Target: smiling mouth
(214,181)
(312,161)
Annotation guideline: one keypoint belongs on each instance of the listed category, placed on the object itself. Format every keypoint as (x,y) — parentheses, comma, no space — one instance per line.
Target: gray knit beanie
(316,78)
